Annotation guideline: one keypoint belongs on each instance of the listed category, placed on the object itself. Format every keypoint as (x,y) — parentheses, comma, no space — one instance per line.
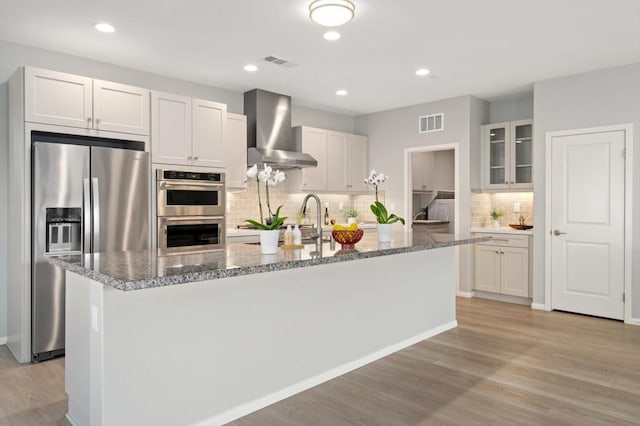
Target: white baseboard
(70,420)
(539,306)
(265,401)
(3,340)
(465,294)
(633,321)
(502,297)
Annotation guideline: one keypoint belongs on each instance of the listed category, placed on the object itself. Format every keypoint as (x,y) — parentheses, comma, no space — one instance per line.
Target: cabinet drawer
(507,240)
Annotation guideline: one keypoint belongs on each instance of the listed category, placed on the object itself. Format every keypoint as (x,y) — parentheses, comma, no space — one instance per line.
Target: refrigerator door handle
(86,216)
(96,215)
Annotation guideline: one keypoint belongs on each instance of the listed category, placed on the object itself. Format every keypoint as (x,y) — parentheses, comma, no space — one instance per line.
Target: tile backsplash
(482,204)
(244,205)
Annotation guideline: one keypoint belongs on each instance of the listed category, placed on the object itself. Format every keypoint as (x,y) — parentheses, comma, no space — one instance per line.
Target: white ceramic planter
(495,224)
(384,232)
(269,241)
(351,220)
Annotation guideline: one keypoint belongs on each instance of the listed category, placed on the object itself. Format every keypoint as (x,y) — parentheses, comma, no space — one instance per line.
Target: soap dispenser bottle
(288,236)
(297,235)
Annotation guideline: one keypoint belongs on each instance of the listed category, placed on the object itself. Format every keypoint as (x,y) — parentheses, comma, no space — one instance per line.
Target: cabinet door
(209,122)
(314,143)
(521,149)
(357,166)
(337,162)
(235,144)
(495,162)
(487,268)
(120,108)
(514,271)
(170,129)
(57,98)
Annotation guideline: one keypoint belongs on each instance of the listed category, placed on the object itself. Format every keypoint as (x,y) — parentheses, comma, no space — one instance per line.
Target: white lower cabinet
(502,265)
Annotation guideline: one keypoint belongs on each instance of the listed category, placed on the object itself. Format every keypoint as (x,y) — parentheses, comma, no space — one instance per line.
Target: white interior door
(587,223)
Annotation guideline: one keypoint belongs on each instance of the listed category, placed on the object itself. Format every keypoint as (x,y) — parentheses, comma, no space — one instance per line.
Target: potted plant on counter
(269,227)
(351,215)
(383,218)
(495,215)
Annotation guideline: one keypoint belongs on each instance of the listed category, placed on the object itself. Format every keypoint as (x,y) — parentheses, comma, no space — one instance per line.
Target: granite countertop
(232,232)
(146,269)
(502,230)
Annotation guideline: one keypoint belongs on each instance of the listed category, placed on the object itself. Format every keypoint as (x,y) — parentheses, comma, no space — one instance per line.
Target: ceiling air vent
(278,61)
(431,123)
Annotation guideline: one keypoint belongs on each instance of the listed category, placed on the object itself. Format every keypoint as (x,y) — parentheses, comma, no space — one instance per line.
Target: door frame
(628,209)
(408,191)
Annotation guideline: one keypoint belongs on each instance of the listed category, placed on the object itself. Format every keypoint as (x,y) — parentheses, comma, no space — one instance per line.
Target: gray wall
(511,109)
(14,56)
(390,132)
(600,98)
(322,119)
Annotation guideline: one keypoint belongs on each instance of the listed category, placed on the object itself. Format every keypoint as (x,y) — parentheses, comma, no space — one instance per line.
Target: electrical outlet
(516,207)
(341,206)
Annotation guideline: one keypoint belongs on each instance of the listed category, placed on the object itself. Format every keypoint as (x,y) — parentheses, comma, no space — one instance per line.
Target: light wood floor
(504,365)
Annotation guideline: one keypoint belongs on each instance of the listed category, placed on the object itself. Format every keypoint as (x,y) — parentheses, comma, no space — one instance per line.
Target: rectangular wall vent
(431,123)
(278,61)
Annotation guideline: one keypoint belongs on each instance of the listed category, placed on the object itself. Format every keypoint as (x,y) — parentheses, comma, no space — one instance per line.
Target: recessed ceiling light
(331,35)
(341,92)
(422,72)
(250,68)
(331,13)
(104,27)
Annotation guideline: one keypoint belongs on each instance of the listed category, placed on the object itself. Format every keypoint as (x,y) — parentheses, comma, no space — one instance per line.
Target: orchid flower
(270,178)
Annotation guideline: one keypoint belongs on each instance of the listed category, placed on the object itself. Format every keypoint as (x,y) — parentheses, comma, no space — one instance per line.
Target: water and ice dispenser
(64,231)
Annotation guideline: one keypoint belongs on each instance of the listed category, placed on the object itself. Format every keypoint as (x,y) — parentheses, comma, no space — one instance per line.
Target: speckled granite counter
(146,269)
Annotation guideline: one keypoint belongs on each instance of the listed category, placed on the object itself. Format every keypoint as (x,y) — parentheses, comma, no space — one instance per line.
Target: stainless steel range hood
(269,135)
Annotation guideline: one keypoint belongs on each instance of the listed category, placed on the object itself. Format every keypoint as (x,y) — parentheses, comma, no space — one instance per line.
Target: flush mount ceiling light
(104,27)
(250,68)
(341,92)
(331,35)
(331,13)
(422,72)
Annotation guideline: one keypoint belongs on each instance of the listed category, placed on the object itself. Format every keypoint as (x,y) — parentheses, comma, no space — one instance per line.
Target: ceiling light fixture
(331,13)
(104,27)
(341,92)
(422,72)
(250,68)
(331,35)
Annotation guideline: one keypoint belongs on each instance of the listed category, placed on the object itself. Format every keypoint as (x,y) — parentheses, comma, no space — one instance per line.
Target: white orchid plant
(377,208)
(269,178)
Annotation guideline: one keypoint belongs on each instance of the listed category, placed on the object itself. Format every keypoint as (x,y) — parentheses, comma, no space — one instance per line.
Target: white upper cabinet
(342,160)
(357,163)
(209,122)
(337,148)
(170,129)
(187,131)
(120,108)
(421,171)
(69,100)
(507,155)
(235,151)
(57,98)
(313,142)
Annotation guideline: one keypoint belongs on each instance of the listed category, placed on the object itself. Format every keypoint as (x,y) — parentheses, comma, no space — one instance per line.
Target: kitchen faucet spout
(318,216)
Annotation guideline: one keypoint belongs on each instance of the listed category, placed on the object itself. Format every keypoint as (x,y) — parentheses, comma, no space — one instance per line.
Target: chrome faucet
(318,216)
(420,214)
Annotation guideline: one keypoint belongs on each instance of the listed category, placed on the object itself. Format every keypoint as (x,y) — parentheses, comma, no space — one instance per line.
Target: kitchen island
(206,338)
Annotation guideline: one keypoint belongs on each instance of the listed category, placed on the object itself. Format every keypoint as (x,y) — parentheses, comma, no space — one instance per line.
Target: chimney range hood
(269,135)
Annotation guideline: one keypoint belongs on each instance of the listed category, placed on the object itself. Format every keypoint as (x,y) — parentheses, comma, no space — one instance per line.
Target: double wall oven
(191,208)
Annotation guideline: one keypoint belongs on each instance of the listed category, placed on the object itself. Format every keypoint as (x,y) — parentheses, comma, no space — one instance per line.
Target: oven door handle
(200,186)
(190,220)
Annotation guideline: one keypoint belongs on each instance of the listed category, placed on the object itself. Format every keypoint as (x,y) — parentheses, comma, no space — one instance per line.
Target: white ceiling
(491,49)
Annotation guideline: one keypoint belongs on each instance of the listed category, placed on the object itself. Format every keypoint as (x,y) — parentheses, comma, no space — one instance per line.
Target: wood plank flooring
(504,365)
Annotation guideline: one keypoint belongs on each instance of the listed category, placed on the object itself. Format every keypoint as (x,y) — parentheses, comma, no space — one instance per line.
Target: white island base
(209,352)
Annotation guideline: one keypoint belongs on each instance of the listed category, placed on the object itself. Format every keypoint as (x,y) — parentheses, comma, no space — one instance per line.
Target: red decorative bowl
(348,238)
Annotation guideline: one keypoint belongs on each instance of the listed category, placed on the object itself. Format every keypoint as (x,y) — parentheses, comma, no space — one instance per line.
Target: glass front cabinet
(507,160)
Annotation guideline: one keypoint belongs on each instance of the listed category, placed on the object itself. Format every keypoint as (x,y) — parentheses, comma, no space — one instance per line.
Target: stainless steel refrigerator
(89,195)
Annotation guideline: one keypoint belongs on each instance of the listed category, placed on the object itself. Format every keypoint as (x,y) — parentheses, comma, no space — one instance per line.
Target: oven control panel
(196,176)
